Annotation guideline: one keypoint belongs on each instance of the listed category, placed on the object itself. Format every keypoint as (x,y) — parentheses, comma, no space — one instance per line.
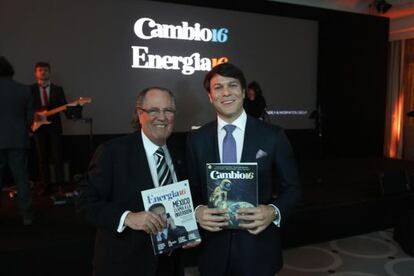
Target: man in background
(16,115)
(48,139)
(254,101)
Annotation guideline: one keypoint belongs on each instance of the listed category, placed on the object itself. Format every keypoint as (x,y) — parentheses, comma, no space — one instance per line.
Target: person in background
(118,172)
(256,249)
(48,138)
(254,102)
(16,115)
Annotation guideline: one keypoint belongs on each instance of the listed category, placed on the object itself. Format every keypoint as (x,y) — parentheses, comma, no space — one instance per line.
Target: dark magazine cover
(232,186)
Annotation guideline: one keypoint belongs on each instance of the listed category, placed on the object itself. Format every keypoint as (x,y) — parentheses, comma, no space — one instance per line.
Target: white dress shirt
(238,134)
(47,86)
(150,149)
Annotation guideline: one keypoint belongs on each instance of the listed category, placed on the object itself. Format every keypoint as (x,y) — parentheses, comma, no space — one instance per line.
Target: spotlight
(381,6)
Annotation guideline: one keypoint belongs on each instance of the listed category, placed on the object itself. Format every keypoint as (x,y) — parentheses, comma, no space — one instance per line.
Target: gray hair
(141,95)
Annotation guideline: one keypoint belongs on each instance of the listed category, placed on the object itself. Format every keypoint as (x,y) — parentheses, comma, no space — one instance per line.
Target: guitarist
(48,139)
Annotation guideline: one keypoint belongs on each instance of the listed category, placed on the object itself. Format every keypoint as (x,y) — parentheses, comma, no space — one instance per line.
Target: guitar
(40,117)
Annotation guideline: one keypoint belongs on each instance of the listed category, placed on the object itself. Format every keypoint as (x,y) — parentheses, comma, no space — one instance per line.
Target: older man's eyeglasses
(153,112)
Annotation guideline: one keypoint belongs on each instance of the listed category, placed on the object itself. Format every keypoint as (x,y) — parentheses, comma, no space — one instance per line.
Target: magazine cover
(174,204)
(232,186)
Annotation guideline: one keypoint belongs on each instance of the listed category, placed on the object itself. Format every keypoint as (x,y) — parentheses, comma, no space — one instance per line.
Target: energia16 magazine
(174,204)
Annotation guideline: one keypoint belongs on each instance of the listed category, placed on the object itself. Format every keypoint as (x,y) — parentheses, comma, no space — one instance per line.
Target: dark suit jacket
(277,174)
(56,98)
(118,173)
(16,114)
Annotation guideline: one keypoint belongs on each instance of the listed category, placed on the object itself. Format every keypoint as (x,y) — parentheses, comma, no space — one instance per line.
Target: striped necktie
(163,171)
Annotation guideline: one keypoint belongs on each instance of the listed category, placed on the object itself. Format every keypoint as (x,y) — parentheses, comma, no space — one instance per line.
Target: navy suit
(245,253)
(48,138)
(118,173)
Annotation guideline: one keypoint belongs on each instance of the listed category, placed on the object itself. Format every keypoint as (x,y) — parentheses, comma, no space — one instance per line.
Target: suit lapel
(140,162)
(37,100)
(250,141)
(53,101)
(211,144)
(177,161)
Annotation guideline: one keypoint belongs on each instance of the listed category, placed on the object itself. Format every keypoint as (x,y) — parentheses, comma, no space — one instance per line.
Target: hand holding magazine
(173,203)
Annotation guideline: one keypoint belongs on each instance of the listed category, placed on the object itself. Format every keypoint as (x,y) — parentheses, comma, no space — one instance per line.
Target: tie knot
(160,152)
(229,128)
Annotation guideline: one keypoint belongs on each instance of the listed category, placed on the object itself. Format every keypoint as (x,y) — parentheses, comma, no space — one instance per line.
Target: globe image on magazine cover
(219,196)
(233,206)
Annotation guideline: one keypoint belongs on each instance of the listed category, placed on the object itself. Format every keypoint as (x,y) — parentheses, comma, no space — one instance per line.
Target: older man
(119,171)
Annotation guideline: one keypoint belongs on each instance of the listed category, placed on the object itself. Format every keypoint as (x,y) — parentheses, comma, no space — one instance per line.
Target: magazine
(174,204)
(232,186)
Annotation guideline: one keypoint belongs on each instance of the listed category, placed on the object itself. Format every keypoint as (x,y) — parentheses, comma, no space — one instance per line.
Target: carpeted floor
(372,254)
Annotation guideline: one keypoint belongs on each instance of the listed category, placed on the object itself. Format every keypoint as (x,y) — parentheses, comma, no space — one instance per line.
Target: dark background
(92,56)
(349,92)
(351,84)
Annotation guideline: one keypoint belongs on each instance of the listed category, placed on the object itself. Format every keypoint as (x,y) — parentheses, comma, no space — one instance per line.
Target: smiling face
(226,95)
(157,127)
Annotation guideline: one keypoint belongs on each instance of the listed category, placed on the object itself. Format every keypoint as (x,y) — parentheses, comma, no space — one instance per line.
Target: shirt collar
(149,146)
(240,122)
(44,84)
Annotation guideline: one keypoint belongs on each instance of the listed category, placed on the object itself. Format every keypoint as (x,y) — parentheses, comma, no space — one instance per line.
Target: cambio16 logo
(146,28)
(183,31)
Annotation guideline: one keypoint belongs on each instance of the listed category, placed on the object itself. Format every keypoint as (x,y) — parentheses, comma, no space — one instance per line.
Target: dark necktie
(163,171)
(44,96)
(229,145)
